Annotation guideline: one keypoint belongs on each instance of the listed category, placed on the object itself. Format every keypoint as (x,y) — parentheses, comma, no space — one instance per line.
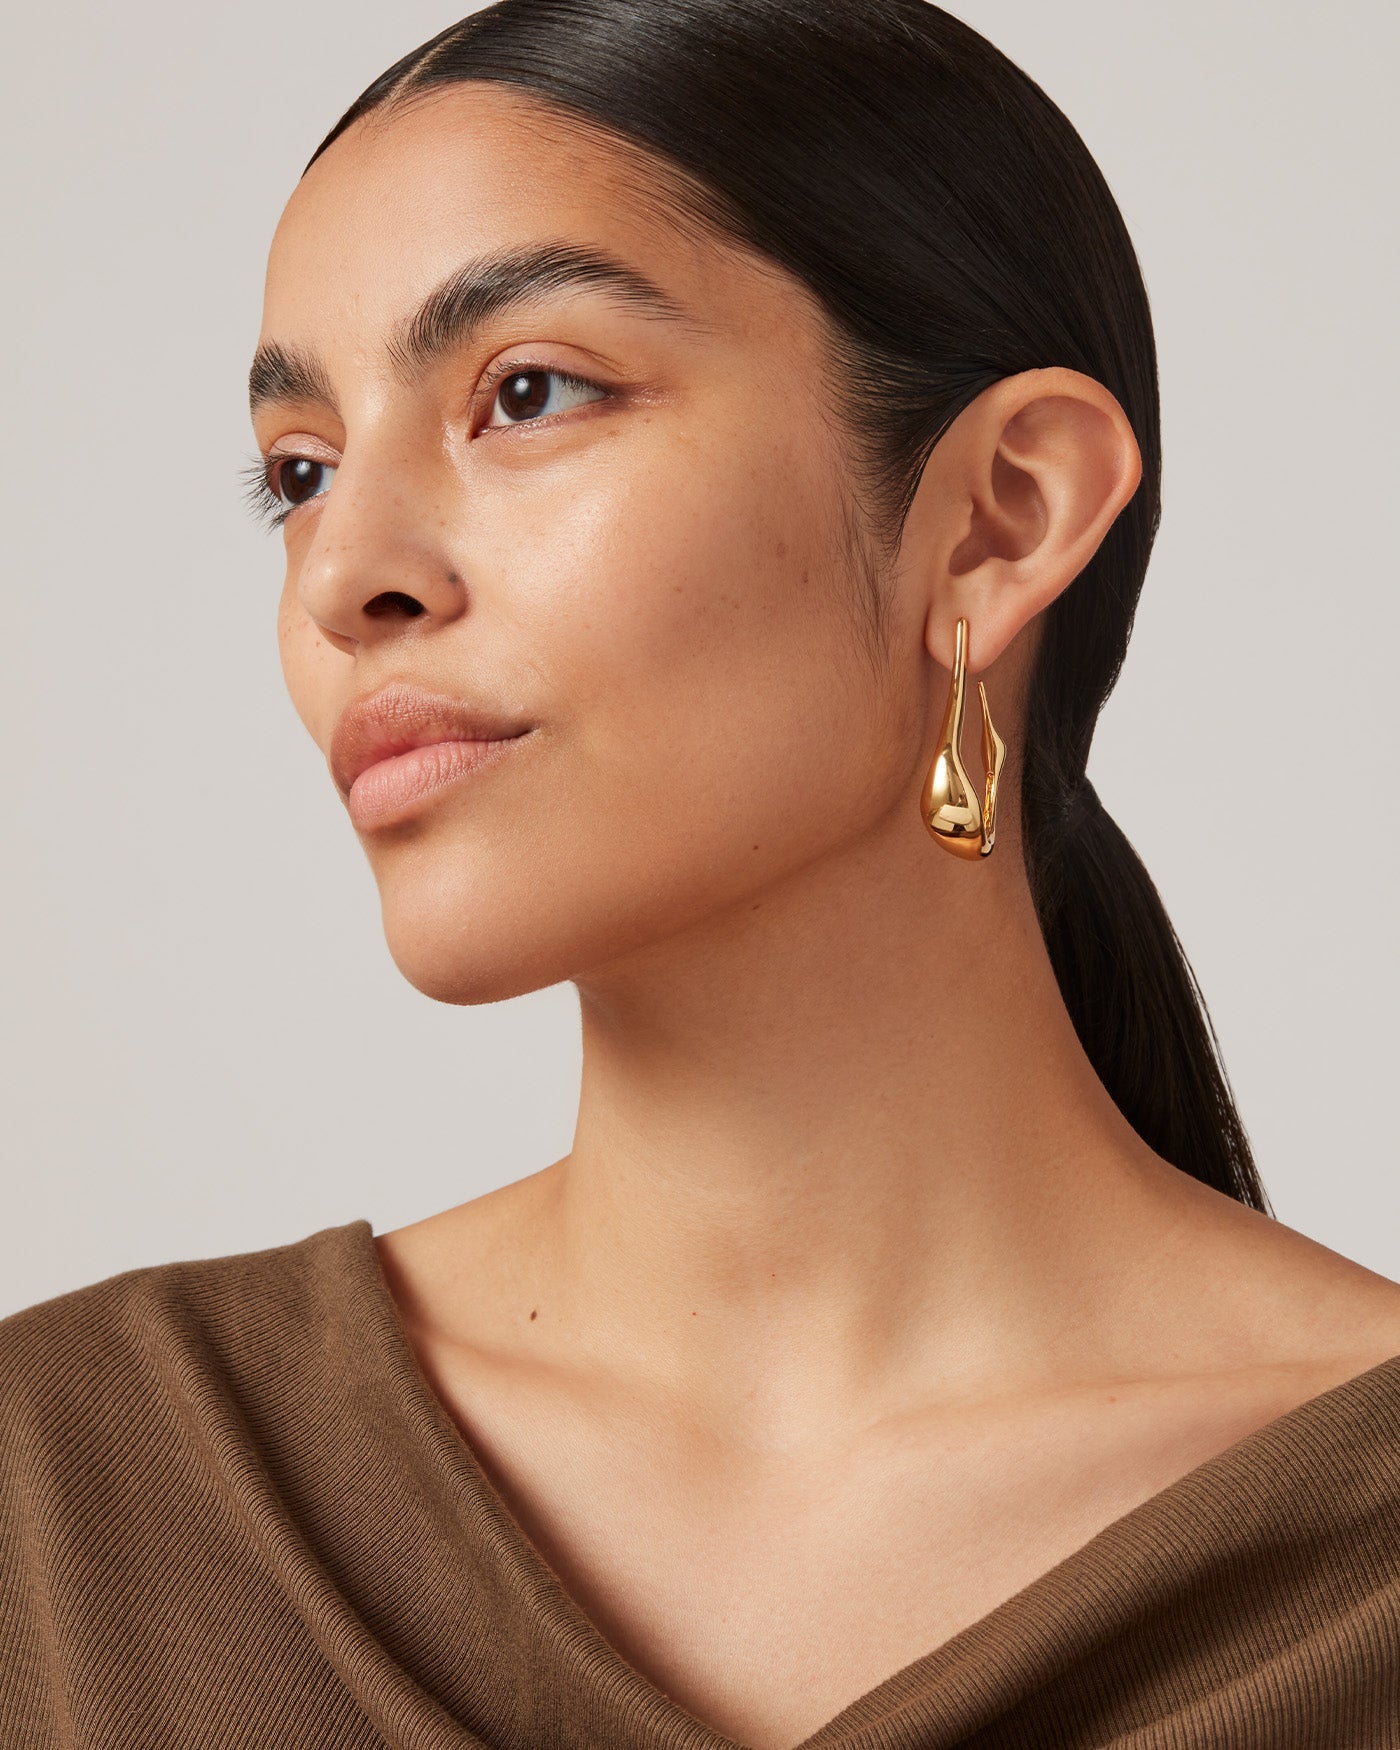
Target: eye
(525,395)
(274,486)
(298,479)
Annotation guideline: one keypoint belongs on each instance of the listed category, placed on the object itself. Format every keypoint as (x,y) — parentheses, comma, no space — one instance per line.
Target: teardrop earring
(950,808)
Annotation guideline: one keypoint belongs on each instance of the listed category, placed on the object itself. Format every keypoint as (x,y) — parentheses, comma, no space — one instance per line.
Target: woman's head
(684,369)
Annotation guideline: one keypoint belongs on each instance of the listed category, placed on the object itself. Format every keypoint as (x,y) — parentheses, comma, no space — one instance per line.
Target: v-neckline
(957,1670)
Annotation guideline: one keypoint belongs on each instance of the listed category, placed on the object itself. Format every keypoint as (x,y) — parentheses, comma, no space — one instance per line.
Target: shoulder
(1241,1289)
(83,1370)
(1234,1332)
(149,1425)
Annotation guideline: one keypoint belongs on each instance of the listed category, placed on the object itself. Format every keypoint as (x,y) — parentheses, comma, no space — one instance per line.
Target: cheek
(307,660)
(704,690)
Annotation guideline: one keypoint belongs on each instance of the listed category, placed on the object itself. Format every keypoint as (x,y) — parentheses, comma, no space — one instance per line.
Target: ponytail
(1126,981)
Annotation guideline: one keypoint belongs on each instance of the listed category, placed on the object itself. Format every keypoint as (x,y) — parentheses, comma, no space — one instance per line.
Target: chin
(467,932)
(466,967)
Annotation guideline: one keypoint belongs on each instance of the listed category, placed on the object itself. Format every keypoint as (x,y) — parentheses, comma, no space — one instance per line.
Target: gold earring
(950,808)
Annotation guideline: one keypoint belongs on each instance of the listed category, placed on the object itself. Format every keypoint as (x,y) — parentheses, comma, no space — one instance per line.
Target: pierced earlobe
(950,807)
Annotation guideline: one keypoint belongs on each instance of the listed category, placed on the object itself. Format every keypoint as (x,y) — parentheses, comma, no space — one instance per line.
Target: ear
(1013,503)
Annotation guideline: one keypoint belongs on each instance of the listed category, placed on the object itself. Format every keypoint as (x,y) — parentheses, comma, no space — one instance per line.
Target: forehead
(406,194)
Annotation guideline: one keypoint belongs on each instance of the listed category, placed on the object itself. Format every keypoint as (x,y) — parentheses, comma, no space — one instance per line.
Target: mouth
(392,789)
(395,747)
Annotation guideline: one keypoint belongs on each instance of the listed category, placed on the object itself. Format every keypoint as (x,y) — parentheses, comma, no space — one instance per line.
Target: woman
(673,408)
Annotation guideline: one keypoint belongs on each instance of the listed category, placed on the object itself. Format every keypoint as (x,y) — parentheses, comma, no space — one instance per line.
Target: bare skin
(856,1304)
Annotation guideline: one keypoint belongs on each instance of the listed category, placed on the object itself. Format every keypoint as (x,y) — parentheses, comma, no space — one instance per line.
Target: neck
(844,1135)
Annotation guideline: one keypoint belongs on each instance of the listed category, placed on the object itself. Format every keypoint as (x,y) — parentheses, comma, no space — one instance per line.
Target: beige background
(207,1048)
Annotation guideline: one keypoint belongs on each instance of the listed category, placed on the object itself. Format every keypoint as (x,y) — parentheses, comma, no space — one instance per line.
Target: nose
(380,556)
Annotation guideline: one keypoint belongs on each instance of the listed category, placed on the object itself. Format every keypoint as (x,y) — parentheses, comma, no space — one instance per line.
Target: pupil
(299,482)
(526,393)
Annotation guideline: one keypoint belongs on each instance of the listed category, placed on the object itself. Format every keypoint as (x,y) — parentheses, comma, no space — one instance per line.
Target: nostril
(393,601)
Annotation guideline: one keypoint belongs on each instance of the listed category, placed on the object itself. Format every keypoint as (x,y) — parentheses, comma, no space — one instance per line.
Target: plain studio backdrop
(208,1048)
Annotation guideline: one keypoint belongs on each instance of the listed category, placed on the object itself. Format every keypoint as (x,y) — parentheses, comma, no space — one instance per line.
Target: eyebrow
(455,311)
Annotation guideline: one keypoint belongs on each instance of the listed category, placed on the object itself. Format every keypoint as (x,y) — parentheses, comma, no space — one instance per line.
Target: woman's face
(623,524)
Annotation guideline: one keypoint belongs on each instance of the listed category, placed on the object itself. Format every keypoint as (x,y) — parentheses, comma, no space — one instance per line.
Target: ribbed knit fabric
(234,1516)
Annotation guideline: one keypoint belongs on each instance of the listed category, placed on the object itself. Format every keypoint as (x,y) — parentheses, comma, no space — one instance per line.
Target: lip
(390,790)
(396,746)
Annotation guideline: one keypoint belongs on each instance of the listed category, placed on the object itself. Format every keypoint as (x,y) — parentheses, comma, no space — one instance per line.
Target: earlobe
(1042,463)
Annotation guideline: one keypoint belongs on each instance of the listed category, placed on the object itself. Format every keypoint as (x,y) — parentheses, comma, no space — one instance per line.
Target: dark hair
(956,229)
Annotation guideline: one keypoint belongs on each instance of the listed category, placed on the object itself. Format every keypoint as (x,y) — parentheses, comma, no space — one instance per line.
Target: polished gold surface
(951,810)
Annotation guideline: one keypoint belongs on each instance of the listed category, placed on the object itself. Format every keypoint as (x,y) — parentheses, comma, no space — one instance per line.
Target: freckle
(694,1315)
(782,549)
(535,1314)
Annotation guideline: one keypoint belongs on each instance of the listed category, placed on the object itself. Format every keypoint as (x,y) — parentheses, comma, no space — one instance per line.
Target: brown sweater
(234,1516)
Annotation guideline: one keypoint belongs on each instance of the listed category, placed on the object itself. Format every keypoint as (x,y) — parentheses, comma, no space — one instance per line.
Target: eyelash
(260,496)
